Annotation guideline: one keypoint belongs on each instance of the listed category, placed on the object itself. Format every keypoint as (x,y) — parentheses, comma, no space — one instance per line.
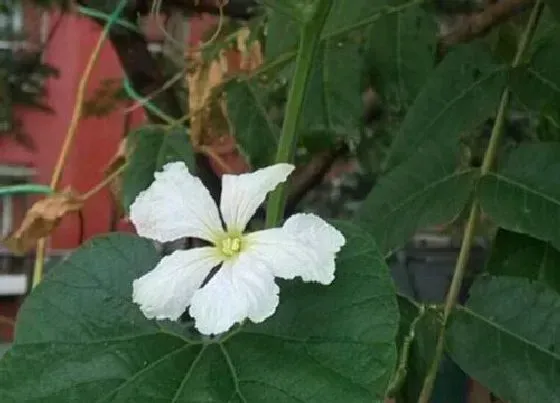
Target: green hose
(25,188)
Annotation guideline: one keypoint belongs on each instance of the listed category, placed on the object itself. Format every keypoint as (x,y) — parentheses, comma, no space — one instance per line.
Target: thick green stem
(468,235)
(309,43)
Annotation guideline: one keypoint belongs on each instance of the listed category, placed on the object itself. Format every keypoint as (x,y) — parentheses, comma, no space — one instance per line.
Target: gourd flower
(177,205)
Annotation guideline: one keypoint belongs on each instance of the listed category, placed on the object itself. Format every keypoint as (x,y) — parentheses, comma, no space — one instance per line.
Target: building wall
(96,139)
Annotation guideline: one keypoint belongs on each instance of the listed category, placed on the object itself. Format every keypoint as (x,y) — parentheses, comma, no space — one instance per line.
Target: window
(11,25)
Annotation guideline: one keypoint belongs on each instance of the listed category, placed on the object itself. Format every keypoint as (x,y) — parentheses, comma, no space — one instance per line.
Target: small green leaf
(80,337)
(520,255)
(537,83)
(256,134)
(507,339)
(524,195)
(428,189)
(401,52)
(152,147)
(176,147)
(460,94)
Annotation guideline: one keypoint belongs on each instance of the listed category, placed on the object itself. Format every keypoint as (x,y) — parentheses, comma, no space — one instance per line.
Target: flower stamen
(231,246)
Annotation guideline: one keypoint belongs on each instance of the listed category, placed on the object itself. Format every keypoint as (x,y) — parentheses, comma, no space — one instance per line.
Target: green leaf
(428,189)
(80,337)
(524,195)
(347,16)
(537,83)
(554,7)
(3,348)
(152,147)
(460,94)
(507,339)
(401,49)
(176,146)
(256,134)
(418,333)
(333,102)
(282,35)
(520,255)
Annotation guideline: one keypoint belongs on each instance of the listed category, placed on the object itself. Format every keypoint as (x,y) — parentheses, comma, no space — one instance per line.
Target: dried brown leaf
(41,219)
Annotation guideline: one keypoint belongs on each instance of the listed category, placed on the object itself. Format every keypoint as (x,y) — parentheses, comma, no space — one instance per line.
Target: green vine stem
(309,43)
(468,234)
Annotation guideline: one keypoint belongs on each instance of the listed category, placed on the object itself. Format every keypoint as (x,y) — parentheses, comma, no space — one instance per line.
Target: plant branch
(310,175)
(72,130)
(309,43)
(468,235)
(478,24)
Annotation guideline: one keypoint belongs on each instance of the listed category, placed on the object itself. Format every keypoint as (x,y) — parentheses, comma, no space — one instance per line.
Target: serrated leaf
(507,339)
(461,93)
(80,337)
(153,146)
(333,103)
(256,134)
(426,190)
(401,50)
(524,195)
(520,255)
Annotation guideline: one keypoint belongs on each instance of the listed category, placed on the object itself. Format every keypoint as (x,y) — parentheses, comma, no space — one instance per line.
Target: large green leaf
(151,147)
(81,339)
(520,255)
(524,195)
(345,17)
(507,338)
(254,131)
(428,189)
(460,94)
(333,102)
(537,83)
(401,49)
(282,34)
(353,15)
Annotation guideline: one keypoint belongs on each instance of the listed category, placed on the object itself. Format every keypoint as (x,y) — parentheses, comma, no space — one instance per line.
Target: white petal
(167,290)
(176,205)
(305,246)
(242,194)
(241,289)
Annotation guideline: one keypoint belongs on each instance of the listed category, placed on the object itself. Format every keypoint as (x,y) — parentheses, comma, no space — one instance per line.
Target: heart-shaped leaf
(80,337)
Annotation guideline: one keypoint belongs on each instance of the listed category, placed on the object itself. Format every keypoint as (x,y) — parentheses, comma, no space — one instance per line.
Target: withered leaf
(41,219)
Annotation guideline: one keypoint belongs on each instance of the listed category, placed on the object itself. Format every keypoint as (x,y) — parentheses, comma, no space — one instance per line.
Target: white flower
(177,205)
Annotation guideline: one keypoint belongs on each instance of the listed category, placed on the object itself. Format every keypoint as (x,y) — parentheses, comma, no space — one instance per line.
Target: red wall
(96,139)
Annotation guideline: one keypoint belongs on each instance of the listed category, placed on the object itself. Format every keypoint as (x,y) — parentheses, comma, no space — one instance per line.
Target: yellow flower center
(231,245)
